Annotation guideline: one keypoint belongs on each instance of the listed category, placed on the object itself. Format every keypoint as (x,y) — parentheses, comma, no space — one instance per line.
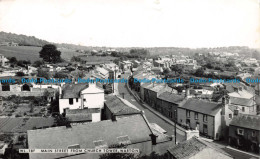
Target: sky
(136,23)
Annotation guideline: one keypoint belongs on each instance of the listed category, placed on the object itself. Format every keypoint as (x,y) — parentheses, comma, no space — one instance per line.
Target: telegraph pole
(175,129)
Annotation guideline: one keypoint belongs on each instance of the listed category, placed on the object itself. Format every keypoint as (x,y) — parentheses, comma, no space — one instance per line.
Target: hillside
(21,39)
(32,53)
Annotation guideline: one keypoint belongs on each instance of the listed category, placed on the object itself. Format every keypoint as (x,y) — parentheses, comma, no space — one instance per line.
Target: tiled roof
(134,126)
(246,121)
(119,106)
(205,107)
(73,90)
(170,97)
(187,149)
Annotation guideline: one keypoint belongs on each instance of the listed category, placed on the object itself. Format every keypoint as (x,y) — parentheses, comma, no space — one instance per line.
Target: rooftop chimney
(187,93)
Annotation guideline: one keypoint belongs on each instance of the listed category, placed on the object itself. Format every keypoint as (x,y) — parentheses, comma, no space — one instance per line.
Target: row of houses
(212,119)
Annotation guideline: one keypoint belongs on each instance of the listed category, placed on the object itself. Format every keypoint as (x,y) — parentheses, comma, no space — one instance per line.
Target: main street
(152,118)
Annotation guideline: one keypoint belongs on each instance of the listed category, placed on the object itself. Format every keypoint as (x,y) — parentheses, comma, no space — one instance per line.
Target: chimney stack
(187,93)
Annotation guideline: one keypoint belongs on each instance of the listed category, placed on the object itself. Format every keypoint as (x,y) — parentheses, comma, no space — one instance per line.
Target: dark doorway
(25,87)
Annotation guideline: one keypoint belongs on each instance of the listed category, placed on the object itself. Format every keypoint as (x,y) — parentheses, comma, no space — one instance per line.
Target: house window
(175,114)
(240,131)
(205,129)
(196,116)
(253,134)
(187,113)
(205,118)
(170,114)
(71,101)
(230,116)
(77,100)
(243,109)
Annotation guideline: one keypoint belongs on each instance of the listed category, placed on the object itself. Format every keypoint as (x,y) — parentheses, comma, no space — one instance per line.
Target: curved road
(152,118)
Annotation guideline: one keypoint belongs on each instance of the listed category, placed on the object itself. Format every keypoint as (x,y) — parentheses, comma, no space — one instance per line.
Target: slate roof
(202,106)
(241,94)
(118,106)
(246,121)
(193,146)
(135,126)
(230,87)
(73,90)
(242,101)
(187,149)
(170,97)
(77,115)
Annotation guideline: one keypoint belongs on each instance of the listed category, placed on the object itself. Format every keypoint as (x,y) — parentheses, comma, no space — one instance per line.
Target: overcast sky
(142,23)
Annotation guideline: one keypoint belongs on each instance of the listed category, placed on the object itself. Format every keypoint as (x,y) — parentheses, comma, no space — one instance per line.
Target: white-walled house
(81,96)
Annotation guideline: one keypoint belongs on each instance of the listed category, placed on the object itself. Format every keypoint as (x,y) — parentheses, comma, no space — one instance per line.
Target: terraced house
(244,132)
(202,115)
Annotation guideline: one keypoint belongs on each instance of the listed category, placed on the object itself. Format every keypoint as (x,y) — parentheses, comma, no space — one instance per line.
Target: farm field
(32,53)
(97,58)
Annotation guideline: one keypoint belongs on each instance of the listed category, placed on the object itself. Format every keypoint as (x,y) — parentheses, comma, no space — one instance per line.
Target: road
(151,117)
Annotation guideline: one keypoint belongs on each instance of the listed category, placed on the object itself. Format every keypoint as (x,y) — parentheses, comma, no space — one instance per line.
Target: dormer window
(123,140)
(76,146)
(100,144)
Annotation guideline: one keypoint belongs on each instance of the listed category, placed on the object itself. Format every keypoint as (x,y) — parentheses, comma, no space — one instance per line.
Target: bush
(18,115)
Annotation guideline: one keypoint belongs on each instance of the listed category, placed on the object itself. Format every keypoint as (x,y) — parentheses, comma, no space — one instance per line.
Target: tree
(20,74)
(61,75)
(75,59)
(37,63)
(13,60)
(49,53)
(199,72)
(17,100)
(43,74)
(177,69)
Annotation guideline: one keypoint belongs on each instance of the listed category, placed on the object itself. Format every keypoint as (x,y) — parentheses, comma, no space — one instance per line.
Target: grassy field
(32,53)
(97,58)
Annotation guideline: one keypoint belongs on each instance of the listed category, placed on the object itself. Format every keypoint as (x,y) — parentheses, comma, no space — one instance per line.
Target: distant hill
(22,40)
